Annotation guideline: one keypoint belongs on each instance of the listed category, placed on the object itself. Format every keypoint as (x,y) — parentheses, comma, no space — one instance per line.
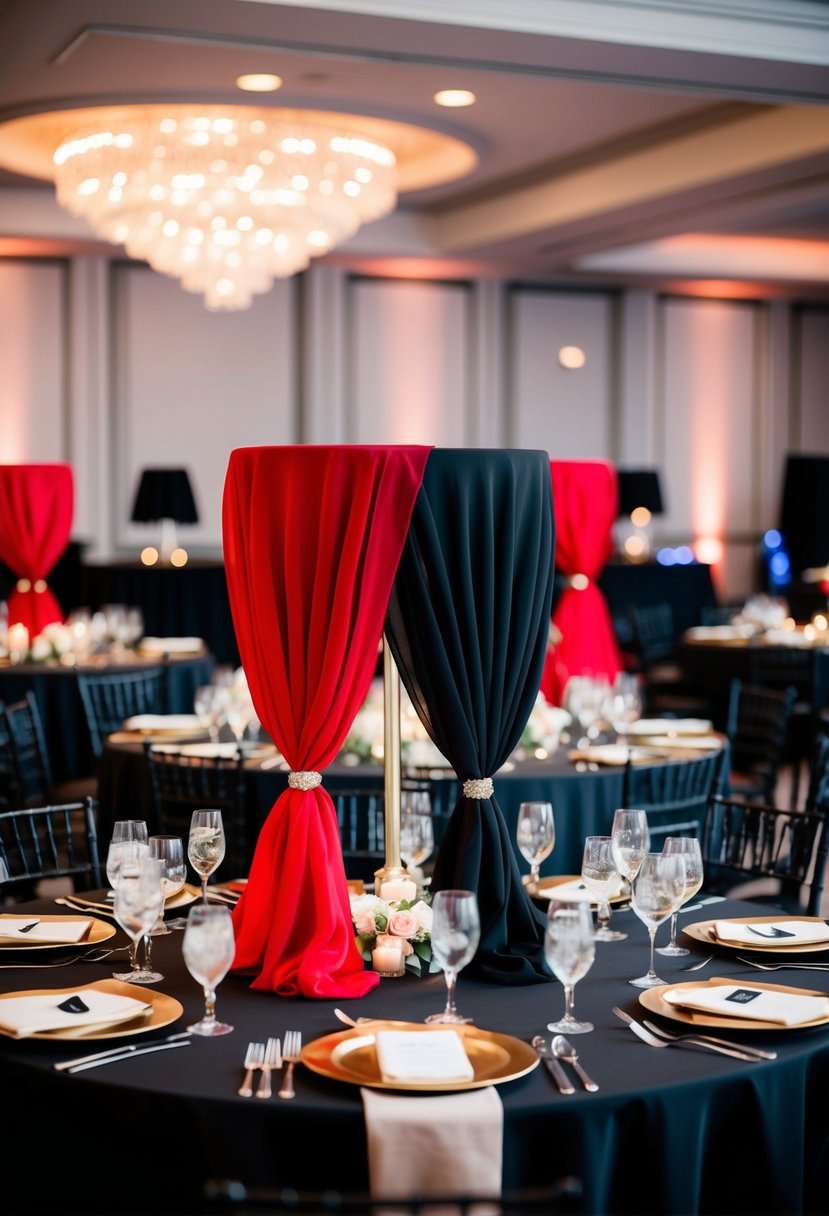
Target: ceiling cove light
(259,82)
(455,98)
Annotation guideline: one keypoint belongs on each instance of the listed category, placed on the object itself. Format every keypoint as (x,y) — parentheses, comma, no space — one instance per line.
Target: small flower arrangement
(409,920)
(540,737)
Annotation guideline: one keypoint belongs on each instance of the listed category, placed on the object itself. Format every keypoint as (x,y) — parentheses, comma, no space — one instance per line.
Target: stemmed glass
(170,850)
(206,845)
(456,931)
(417,833)
(138,899)
(123,844)
(209,704)
(657,892)
(535,834)
(631,840)
(687,847)
(237,715)
(208,948)
(569,948)
(601,877)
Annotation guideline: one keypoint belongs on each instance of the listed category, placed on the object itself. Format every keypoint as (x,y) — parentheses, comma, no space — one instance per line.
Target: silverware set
(654,1036)
(267,1057)
(552,1055)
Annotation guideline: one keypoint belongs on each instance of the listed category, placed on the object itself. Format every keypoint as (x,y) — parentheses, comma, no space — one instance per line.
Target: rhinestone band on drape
(304,780)
(478,787)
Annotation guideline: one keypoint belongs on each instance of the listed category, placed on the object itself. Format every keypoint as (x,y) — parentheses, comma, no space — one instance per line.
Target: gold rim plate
(99,931)
(547,886)
(187,895)
(350,1056)
(653,1000)
(164,1010)
(703,931)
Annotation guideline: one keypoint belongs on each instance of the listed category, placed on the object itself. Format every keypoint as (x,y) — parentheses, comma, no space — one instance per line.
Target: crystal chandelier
(226,199)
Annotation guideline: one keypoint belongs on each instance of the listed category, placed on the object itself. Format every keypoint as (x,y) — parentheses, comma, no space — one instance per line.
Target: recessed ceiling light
(455,97)
(572,357)
(259,82)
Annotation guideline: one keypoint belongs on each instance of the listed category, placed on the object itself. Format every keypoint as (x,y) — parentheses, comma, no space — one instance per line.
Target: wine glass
(209,703)
(601,877)
(208,948)
(170,850)
(130,829)
(116,852)
(687,847)
(456,931)
(657,891)
(206,845)
(138,899)
(417,833)
(569,948)
(630,841)
(237,715)
(535,835)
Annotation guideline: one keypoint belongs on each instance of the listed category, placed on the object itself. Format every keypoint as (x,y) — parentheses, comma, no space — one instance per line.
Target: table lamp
(640,498)
(165,495)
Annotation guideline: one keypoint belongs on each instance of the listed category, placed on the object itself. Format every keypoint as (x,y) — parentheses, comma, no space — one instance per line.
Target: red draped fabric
(312,540)
(36,510)
(585,499)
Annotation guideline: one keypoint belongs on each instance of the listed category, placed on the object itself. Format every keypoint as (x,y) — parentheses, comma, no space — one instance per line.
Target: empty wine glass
(456,931)
(688,847)
(138,900)
(569,948)
(601,877)
(170,851)
(657,891)
(206,845)
(238,714)
(417,833)
(130,829)
(630,841)
(535,835)
(208,948)
(209,702)
(116,852)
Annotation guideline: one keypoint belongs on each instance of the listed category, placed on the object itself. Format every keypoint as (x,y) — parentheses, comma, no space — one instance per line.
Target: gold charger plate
(187,895)
(350,1055)
(164,1010)
(703,931)
(652,999)
(99,931)
(547,886)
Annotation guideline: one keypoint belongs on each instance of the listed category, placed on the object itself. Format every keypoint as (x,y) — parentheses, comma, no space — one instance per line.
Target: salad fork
(784,966)
(707,1038)
(273,1059)
(290,1055)
(254,1056)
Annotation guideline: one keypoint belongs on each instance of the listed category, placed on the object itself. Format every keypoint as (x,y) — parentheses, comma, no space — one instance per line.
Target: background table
(676,1132)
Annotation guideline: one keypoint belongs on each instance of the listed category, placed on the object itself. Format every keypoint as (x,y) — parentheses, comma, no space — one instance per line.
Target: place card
(432,1055)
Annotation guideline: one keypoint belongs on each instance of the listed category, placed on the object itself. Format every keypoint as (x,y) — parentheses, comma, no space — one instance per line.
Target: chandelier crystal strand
(226,200)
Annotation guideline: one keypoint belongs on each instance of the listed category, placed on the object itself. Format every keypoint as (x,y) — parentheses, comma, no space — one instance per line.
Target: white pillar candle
(18,641)
(395,889)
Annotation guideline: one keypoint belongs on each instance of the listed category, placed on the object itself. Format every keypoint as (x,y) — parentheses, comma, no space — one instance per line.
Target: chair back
(654,635)
(31,770)
(757,729)
(817,792)
(59,841)
(181,782)
(675,796)
(361,819)
(110,697)
(743,841)
(7,778)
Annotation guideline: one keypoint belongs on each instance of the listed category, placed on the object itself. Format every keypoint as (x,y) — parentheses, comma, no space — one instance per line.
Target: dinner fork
(784,966)
(254,1056)
(647,1036)
(290,1054)
(273,1059)
(699,964)
(94,956)
(707,1038)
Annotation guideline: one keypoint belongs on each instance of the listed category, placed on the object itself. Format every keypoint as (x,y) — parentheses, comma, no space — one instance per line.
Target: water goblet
(116,852)
(456,931)
(630,841)
(208,948)
(601,877)
(657,891)
(130,829)
(138,900)
(206,845)
(569,948)
(688,847)
(170,850)
(417,833)
(209,703)
(535,835)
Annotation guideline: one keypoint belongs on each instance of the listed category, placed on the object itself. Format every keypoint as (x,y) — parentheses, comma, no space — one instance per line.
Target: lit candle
(387,956)
(394,889)
(18,641)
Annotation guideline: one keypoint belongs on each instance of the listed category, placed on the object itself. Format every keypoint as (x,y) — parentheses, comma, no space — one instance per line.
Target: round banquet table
(672,1132)
(61,711)
(583,797)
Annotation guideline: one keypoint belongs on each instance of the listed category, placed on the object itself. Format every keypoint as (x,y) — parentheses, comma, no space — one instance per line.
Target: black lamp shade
(639,488)
(804,511)
(164,494)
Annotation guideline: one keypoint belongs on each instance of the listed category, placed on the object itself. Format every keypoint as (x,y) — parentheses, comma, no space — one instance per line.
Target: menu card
(412,1055)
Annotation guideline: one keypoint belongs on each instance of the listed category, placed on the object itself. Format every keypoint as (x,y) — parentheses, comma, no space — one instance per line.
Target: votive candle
(18,641)
(395,889)
(387,955)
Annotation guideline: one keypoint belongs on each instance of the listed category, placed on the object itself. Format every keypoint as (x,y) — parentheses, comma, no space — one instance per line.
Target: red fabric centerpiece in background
(585,500)
(312,540)
(36,510)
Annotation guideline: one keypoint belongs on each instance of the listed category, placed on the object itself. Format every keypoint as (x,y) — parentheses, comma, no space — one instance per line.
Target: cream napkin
(150,645)
(756,1004)
(670,726)
(15,928)
(21,1016)
(574,890)
(412,1055)
(762,936)
(181,722)
(451,1145)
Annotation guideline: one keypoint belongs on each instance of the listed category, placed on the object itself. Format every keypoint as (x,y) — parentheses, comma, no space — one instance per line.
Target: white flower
(40,649)
(423,912)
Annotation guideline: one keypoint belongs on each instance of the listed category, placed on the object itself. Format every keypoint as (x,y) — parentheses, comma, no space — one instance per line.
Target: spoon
(565,1050)
(338,1013)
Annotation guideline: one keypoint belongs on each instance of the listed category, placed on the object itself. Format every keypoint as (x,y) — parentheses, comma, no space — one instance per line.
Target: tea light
(394,889)
(387,955)
(18,642)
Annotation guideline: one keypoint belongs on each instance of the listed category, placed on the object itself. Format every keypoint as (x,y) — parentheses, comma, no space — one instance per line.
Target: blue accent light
(772,539)
(684,555)
(666,557)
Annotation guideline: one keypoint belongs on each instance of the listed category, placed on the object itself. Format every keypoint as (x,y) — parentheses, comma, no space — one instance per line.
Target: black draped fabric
(467,623)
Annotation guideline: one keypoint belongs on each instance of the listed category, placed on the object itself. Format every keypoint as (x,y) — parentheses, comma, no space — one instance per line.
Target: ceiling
(650,142)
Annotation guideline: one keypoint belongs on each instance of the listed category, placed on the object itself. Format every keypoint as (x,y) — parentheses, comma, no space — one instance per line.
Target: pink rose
(403,924)
(364,924)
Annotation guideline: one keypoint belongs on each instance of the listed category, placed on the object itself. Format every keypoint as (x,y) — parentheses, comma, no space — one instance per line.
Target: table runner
(36,509)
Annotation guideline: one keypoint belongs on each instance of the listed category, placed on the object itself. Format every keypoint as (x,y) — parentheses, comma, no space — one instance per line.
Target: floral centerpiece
(409,920)
(540,737)
(364,741)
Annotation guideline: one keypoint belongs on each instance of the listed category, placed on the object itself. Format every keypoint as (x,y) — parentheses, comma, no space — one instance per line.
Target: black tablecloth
(670,1132)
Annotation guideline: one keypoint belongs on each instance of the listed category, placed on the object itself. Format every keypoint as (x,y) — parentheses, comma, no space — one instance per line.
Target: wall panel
(33,359)
(812,403)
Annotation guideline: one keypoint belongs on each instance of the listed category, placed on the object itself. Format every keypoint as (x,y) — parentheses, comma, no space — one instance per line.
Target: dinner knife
(558,1074)
(128,1054)
(121,1049)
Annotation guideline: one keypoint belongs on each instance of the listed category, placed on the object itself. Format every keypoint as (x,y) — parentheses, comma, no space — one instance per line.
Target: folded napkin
(778,934)
(447,1145)
(208,751)
(171,645)
(670,726)
(787,637)
(754,1004)
(21,1016)
(574,890)
(699,743)
(29,929)
(182,722)
(412,1055)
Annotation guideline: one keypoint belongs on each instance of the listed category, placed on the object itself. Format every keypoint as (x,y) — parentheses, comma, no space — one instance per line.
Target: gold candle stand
(392,869)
